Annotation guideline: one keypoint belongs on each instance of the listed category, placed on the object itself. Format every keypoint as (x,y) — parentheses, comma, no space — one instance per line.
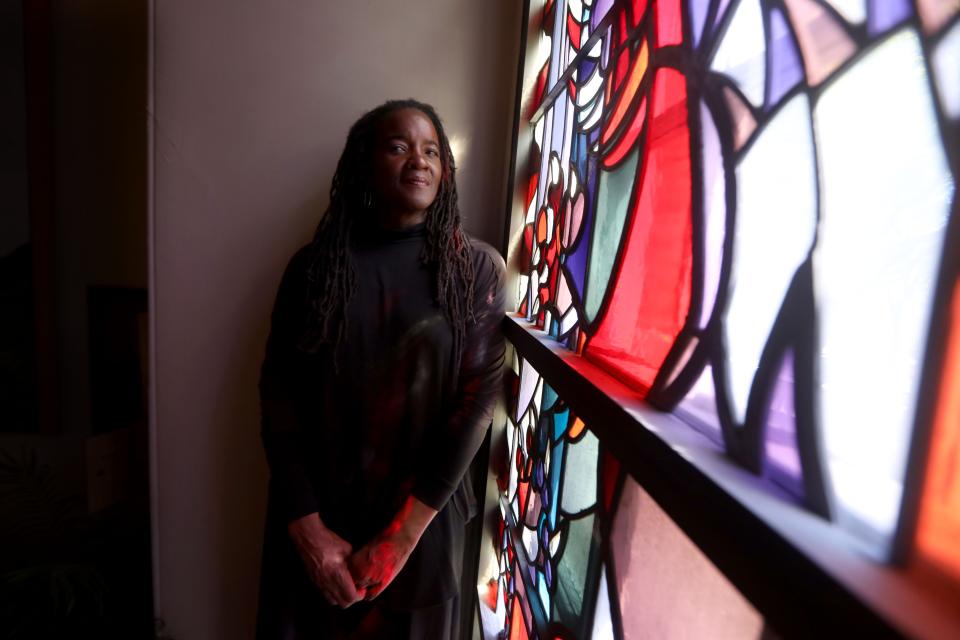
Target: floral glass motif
(556,495)
(581,550)
(740,207)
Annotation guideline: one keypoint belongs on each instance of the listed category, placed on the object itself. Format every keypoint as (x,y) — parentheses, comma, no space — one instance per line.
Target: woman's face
(406,167)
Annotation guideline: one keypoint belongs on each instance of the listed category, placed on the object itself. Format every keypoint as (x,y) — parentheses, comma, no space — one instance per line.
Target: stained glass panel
(548,541)
(886,193)
(756,250)
(608,563)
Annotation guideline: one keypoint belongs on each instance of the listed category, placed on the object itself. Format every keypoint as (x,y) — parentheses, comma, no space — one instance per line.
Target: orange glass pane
(518,631)
(938,531)
(637,71)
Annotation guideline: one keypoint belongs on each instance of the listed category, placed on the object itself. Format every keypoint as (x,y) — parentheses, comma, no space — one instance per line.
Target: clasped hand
(344,578)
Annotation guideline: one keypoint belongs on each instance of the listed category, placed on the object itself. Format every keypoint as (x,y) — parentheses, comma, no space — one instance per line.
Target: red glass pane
(573,31)
(620,73)
(610,473)
(639,8)
(523,489)
(669,25)
(651,290)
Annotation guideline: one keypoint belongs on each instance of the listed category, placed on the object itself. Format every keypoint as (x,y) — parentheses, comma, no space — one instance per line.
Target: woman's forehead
(407,122)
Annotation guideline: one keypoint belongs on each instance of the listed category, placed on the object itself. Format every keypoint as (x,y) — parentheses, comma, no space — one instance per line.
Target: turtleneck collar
(375,234)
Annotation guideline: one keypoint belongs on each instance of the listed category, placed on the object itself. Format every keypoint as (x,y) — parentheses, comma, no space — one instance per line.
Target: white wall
(251,103)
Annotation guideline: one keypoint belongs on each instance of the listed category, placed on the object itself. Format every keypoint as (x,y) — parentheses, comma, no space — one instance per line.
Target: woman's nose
(417,159)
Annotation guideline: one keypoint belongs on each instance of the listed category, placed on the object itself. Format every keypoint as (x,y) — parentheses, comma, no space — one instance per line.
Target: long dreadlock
(331,277)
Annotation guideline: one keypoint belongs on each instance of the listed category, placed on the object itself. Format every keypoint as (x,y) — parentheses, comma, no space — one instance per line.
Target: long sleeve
(292,494)
(478,383)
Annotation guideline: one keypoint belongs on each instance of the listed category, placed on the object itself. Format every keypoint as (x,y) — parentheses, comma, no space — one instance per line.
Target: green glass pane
(613,199)
(573,573)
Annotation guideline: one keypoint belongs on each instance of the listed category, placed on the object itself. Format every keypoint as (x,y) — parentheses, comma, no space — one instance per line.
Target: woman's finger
(343,588)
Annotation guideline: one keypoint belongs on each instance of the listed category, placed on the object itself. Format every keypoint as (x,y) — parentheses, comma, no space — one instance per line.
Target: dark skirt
(422,603)
(365,620)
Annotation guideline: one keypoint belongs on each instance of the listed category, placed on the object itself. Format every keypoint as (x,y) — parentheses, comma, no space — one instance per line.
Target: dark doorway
(74,485)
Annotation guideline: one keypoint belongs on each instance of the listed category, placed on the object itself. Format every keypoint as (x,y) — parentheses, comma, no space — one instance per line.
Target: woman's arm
(323,552)
(448,454)
(375,565)
(452,449)
(291,492)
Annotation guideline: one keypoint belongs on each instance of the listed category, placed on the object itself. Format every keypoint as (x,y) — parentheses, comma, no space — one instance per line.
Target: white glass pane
(741,52)
(602,624)
(579,490)
(528,384)
(775,226)
(714,212)
(885,198)
(946,65)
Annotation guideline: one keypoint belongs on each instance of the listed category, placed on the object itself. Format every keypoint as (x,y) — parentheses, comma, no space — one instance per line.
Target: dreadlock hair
(331,277)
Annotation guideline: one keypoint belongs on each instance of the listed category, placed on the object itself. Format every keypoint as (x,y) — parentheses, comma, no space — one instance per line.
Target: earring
(367,199)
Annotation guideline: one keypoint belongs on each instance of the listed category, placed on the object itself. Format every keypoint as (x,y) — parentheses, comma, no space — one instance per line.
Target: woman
(380,375)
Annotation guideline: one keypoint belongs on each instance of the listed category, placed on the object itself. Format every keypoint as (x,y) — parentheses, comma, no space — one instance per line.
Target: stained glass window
(740,209)
(580,549)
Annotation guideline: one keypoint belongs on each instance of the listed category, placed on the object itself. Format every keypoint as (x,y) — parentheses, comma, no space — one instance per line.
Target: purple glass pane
(785,69)
(884,14)
(782,461)
(699,407)
(721,10)
(600,9)
(698,15)
(576,262)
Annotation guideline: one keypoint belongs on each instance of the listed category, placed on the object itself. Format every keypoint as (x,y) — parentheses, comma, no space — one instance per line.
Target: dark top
(352,441)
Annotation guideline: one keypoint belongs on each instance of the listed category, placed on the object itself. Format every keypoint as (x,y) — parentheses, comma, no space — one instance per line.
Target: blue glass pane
(885,14)
(785,69)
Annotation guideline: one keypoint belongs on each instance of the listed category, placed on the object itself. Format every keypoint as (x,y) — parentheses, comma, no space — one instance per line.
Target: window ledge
(804,575)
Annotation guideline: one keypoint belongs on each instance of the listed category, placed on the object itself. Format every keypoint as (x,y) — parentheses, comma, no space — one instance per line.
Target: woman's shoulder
(299,263)
(487,261)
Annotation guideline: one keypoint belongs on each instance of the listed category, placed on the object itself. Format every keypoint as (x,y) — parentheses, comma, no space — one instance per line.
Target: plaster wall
(250,102)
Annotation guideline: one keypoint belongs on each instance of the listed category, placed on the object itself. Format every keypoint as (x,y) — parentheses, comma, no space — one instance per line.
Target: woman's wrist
(307,530)
(410,522)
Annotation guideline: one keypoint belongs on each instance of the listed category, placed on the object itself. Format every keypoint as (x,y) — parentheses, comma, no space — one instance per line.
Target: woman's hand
(324,555)
(379,561)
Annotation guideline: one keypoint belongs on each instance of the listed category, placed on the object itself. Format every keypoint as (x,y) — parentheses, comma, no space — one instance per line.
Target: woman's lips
(417,182)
